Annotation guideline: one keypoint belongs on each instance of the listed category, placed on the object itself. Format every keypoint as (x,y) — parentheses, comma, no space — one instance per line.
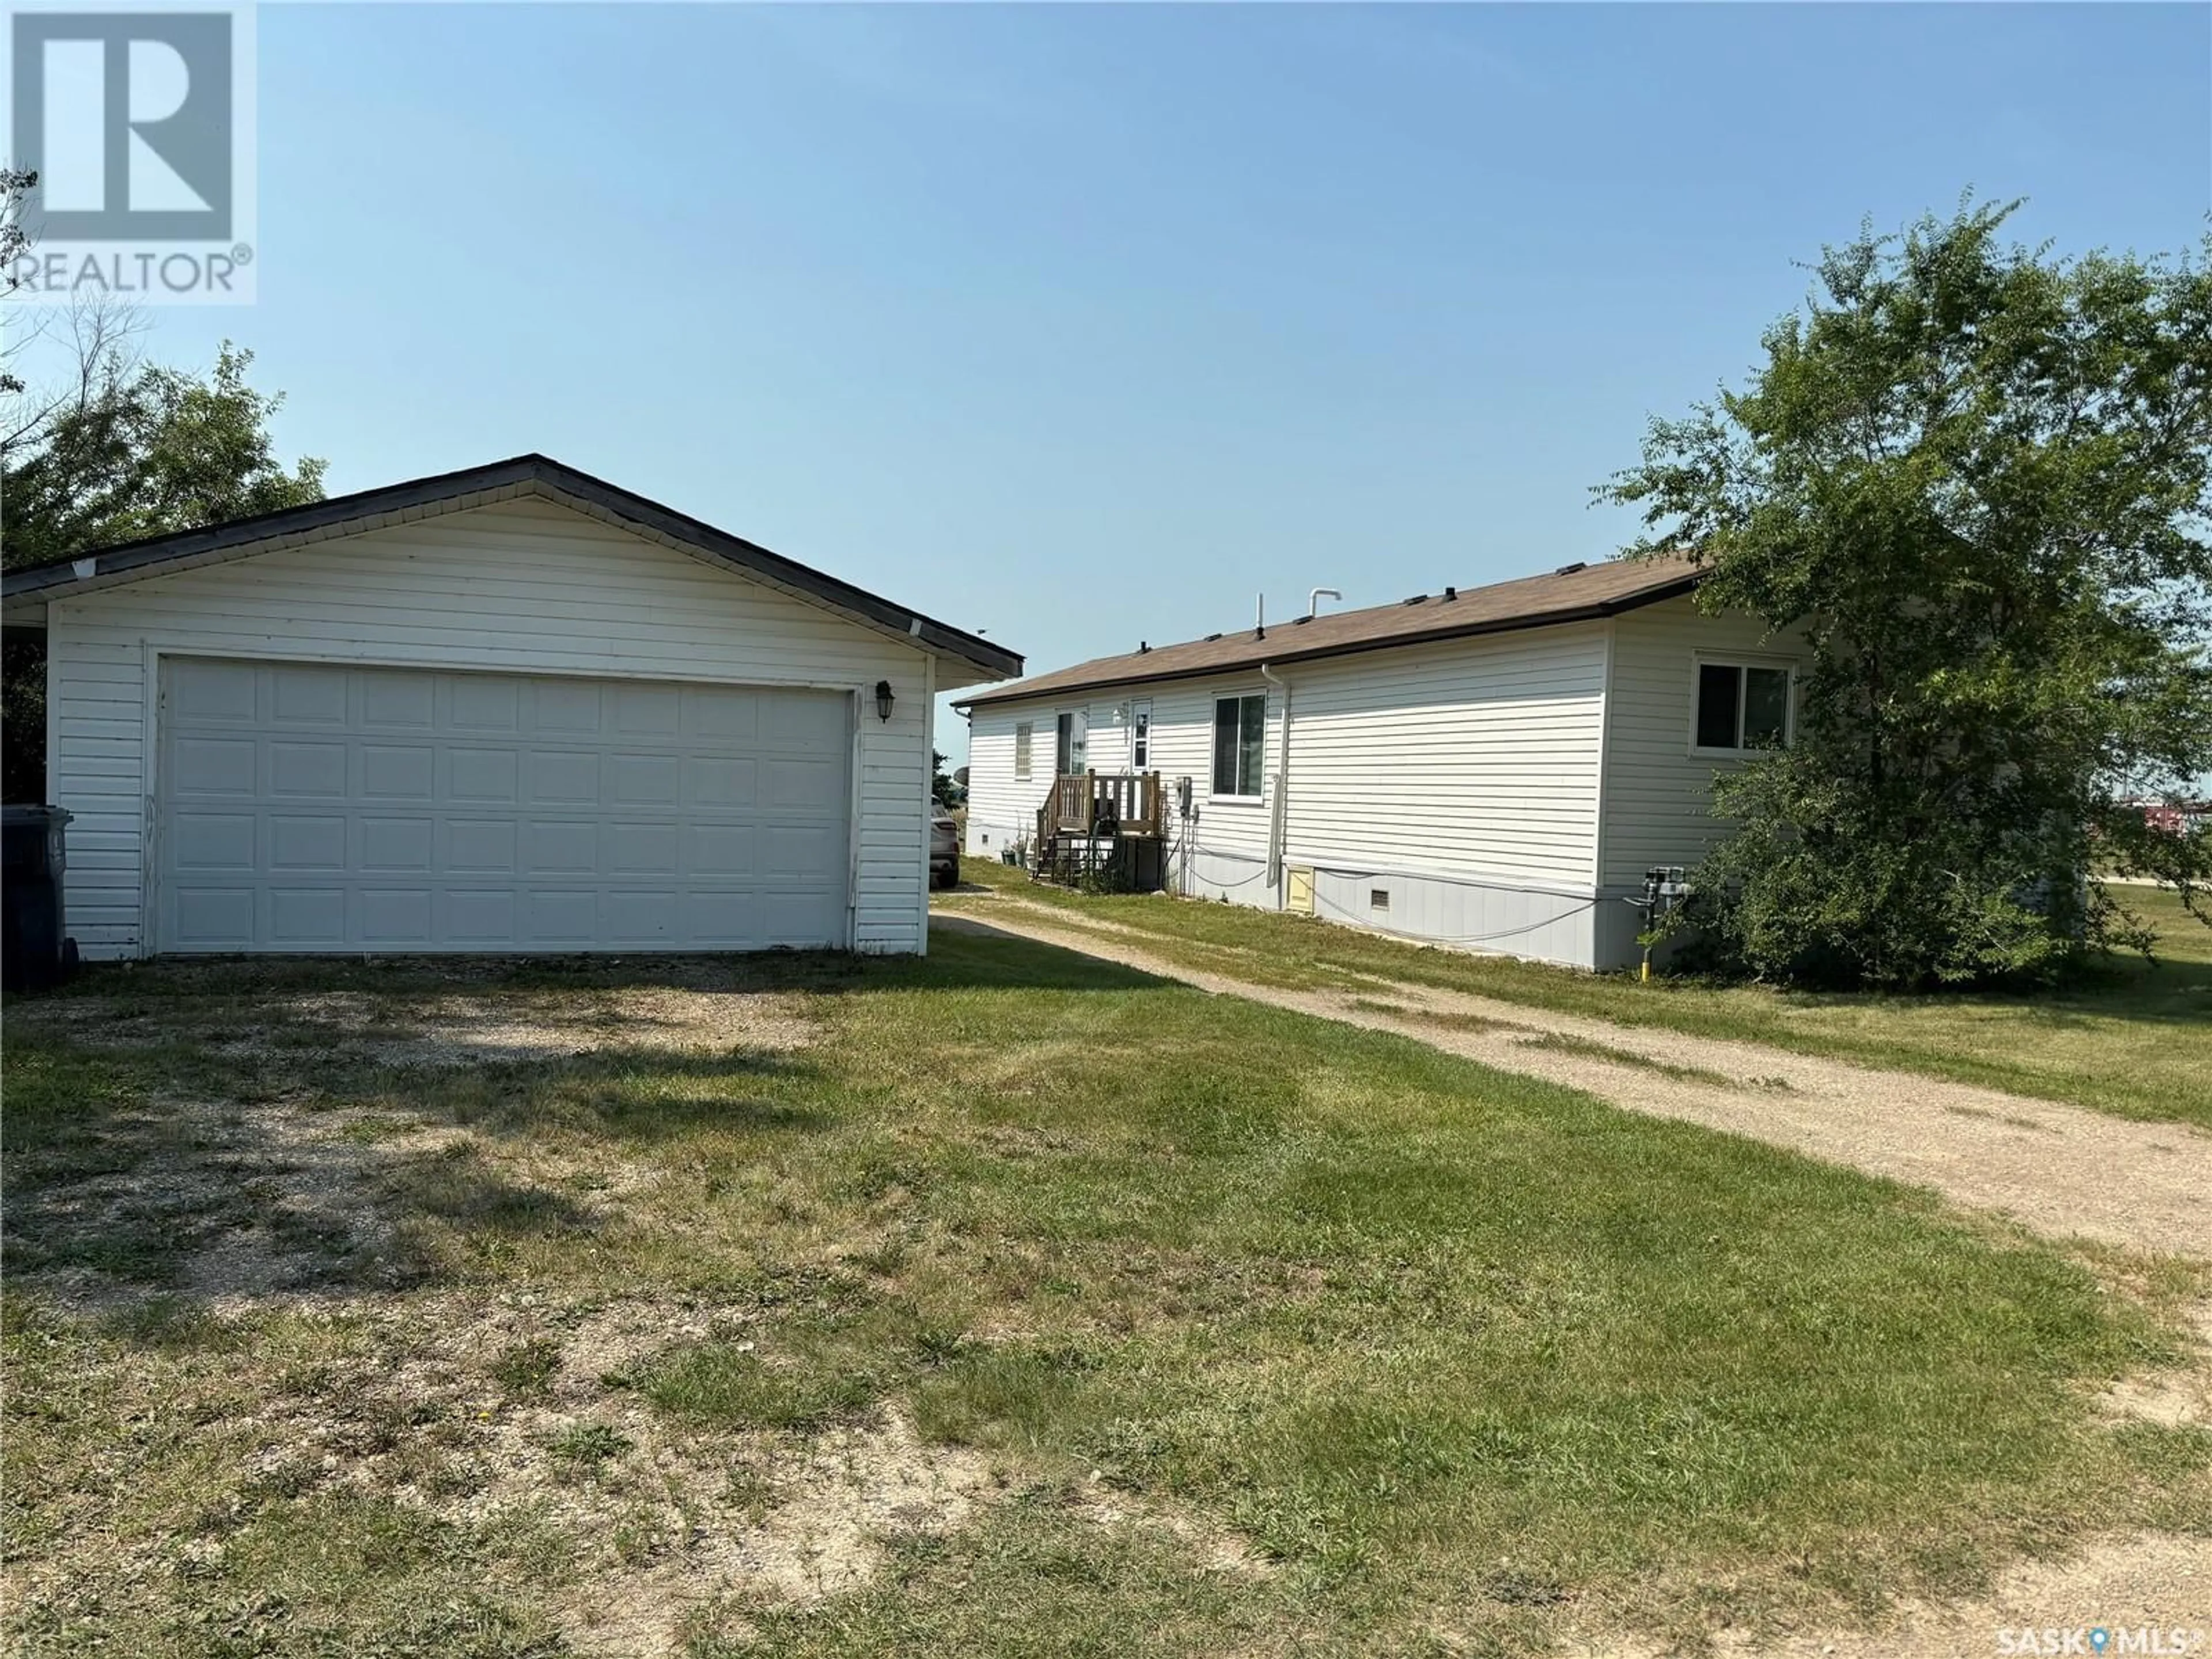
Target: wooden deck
(1101,828)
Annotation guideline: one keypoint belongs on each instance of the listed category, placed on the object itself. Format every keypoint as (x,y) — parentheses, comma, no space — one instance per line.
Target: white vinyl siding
(523,586)
(1475,758)
(1658,786)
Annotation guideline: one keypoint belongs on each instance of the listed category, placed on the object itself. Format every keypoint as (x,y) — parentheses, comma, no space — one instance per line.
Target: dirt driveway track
(2062,1171)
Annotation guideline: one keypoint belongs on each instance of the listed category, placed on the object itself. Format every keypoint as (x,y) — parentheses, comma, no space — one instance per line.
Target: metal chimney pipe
(1260,625)
(1313,598)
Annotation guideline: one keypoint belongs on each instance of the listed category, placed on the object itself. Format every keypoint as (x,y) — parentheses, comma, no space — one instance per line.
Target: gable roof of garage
(483,486)
(1575,592)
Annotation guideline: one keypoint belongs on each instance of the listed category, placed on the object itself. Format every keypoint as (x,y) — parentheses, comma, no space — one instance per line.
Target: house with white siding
(510,708)
(1493,768)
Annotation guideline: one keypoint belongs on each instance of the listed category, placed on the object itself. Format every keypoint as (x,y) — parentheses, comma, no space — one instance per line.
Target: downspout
(1278,819)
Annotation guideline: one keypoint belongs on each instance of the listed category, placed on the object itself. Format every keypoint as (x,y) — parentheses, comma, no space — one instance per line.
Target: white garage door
(312,808)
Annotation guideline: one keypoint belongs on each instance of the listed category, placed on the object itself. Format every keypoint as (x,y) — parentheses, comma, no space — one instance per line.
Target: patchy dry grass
(2133,1038)
(1009,1302)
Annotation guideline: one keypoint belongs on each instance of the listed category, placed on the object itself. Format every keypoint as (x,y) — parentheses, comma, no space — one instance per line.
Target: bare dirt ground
(2062,1171)
(476,1405)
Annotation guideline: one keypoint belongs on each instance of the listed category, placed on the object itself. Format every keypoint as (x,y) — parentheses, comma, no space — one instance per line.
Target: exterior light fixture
(882,699)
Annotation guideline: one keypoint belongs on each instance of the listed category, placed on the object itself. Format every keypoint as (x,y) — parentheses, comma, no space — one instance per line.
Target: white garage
(514,709)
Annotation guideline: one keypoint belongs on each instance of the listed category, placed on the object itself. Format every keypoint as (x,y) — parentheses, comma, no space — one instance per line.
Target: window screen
(1024,737)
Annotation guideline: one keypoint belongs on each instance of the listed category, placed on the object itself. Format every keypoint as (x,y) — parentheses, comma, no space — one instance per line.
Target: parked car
(943,850)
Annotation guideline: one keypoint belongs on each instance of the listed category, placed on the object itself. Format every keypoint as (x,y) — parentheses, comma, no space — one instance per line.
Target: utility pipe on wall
(1279,818)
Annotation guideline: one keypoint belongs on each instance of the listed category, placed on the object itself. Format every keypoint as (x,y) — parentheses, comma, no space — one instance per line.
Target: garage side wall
(520,587)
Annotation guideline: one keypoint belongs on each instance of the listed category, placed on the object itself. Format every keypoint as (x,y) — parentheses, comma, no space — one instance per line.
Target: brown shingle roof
(1577,593)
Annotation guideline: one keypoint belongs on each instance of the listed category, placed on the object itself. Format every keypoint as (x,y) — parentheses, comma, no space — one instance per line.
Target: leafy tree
(1977,480)
(126,451)
(944,789)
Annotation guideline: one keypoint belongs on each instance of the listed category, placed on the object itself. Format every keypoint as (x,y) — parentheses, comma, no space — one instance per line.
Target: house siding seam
(520,586)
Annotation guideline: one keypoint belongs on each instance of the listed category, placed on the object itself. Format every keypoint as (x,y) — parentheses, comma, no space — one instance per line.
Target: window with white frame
(1140,735)
(1742,706)
(1024,738)
(1240,744)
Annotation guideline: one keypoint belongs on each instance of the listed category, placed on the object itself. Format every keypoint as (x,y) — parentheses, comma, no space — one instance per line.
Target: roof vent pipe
(1259,624)
(1313,598)
(1451,593)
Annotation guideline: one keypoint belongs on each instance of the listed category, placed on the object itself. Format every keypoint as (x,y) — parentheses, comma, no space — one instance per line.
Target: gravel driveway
(2062,1171)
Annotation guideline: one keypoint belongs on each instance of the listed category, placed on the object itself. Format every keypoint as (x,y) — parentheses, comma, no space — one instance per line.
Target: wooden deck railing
(1084,804)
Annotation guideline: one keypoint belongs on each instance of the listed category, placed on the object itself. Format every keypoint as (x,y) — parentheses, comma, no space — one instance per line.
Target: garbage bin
(35,949)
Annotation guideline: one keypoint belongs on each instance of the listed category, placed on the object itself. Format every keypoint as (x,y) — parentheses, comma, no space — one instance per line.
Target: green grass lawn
(2133,1038)
(1215,1328)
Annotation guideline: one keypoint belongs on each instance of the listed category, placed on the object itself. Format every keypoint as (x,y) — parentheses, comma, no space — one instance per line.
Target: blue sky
(1085,323)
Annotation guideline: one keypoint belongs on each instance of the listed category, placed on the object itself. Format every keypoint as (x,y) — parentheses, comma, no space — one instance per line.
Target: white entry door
(303,807)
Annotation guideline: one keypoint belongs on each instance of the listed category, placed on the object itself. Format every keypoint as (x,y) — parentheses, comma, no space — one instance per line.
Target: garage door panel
(208,691)
(214,841)
(645,849)
(406,771)
(648,711)
(482,846)
(484,919)
(482,775)
(719,850)
(562,915)
(213,766)
(716,913)
(792,784)
(406,701)
(399,845)
(308,696)
(644,780)
(308,769)
(571,707)
(721,780)
(312,918)
(555,847)
(721,713)
(396,918)
(484,702)
(642,916)
(309,808)
(562,777)
(297,842)
(222,917)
